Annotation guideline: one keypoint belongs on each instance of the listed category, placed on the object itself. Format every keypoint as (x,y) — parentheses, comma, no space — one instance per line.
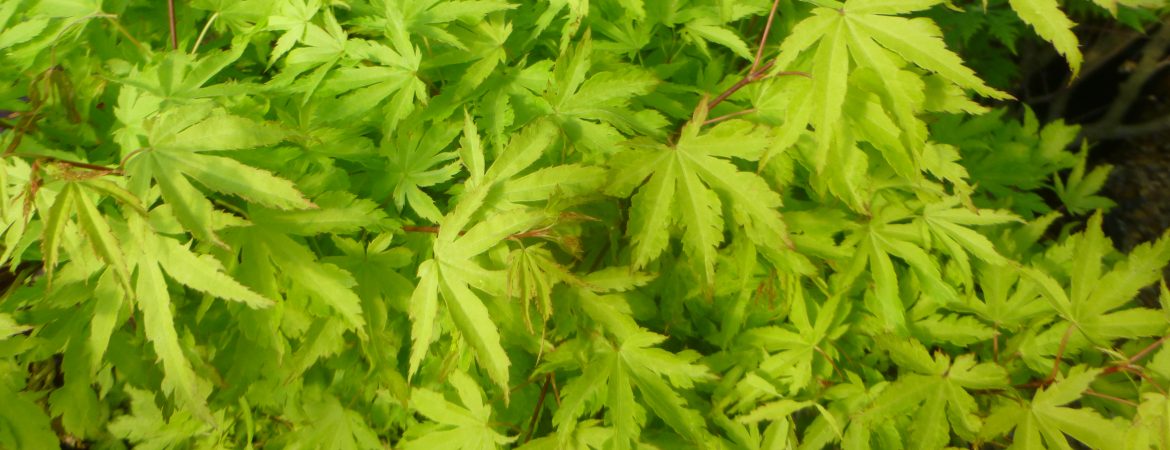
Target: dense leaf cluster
(562,224)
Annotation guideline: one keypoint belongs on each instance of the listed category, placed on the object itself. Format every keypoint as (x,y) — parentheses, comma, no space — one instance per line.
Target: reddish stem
(171,22)
(764,38)
(539,404)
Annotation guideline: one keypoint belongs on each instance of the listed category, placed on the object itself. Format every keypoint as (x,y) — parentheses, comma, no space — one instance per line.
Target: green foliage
(568,224)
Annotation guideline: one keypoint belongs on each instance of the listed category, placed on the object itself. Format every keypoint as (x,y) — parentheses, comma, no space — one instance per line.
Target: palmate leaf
(154,299)
(793,350)
(592,110)
(364,88)
(416,159)
(1052,25)
(323,282)
(934,391)
(688,185)
(1079,192)
(1096,302)
(147,428)
(73,198)
(323,49)
(1047,419)
(862,32)
(949,225)
(177,137)
(327,424)
(458,427)
(618,370)
(453,270)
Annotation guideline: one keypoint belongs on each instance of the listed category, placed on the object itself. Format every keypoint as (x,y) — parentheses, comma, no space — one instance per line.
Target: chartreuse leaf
(148,428)
(453,268)
(324,282)
(416,159)
(685,187)
(949,225)
(23,424)
(935,394)
(179,135)
(592,110)
(863,33)
(204,273)
(1079,192)
(1046,420)
(1052,25)
(104,243)
(1093,299)
(336,212)
(636,364)
(55,219)
(465,426)
(154,300)
(794,349)
(327,423)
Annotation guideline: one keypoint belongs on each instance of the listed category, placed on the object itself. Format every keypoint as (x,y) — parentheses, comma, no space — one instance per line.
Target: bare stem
(764,38)
(203,33)
(122,29)
(1059,355)
(1110,397)
(729,116)
(539,405)
(171,23)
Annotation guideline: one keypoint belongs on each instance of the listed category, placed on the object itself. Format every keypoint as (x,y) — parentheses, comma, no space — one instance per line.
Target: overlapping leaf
(690,186)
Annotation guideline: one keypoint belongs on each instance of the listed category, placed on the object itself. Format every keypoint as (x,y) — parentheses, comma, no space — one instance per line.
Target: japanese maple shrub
(563,224)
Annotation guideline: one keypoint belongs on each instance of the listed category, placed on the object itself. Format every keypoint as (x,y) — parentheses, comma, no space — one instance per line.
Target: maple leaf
(453,270)
(1093,297)
(327,424)
(617,370)
(416,159)
(689,184)
(591,110)
(1052,25)
(429,17)
(357,90)
(147,428)
(884,236)
(1046,419)
(935,391)
(1078,192)
(457,427)
(948,225)
(861,32)
(799,346)
(179,138)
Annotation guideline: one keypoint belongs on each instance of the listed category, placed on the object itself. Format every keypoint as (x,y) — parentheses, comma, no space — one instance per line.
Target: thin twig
(746,80)
(203,33)
(420,229)
(1059,355)
(1110,397)
(171,22)
(764,38)
(122,29)
(539,232)
(729,116)
(1139,355)
(539,406)
(836,369)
